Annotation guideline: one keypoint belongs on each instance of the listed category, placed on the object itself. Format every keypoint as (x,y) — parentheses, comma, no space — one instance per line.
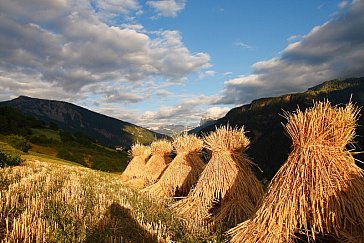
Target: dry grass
(318,192)
(44,150)
(140,150)
(159,161)
(227,178)
(135,169)
(50,202)
(183,172)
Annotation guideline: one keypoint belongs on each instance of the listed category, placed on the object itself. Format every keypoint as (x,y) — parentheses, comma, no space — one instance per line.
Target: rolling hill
(105,130)
(263,120)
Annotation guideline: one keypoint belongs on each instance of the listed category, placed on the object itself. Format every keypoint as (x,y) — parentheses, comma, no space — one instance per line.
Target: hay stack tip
(162,147)
(227,138)
(139,149)
(188,143)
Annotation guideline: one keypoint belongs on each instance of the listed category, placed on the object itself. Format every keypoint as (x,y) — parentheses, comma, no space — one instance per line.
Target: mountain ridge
(263,119)
(106,130)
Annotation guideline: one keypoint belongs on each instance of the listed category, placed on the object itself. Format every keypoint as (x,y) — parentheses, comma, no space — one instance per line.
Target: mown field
(50,200)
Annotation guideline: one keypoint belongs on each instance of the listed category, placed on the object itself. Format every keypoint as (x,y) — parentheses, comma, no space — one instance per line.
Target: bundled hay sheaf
(184,170)
(227,178)
(159,160)
(318,192)
(135,168)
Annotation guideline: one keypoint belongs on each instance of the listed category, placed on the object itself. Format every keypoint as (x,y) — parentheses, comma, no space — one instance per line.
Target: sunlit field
(55,202)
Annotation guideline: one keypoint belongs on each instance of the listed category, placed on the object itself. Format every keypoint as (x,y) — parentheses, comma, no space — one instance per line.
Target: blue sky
(155,63)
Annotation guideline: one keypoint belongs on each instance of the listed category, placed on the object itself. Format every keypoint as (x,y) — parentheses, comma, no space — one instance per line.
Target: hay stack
(184,170)
(318,192)
(135,168)
(227,178)
(159,161)
(136,183)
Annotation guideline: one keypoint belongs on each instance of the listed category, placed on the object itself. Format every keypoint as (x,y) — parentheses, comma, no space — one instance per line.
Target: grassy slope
(51,134)
(52,200)
(18,130)
(93,156)
(89,154)
(7,148)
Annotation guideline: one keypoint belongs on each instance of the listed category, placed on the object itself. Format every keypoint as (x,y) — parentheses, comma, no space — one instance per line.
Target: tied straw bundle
(135,168)
(183,172)
(227,178)
(318,192)
(159,161)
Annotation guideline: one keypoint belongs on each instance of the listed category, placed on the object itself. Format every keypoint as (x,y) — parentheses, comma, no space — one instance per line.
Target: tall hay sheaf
(159,161)
(318,192)
(227,178)
(184,170)
(136,166)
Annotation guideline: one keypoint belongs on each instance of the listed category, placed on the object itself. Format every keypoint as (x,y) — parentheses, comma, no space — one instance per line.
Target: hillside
(69,117)
(27,134)
(263,120)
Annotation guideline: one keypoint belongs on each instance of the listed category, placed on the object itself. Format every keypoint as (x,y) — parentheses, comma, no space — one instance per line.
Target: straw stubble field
(316,196)
(50,202)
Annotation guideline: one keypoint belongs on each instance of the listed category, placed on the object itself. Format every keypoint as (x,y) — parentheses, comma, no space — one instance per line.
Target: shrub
(7,159)
(19,142)
(41,140)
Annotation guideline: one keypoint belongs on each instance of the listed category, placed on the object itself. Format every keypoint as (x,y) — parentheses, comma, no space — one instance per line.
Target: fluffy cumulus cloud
(112,8)
(167,8)
(67,46)
(215,112)
(187,112)
(332,50)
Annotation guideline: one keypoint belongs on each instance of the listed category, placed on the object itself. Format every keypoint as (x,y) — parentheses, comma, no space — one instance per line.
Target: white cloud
(227,73)
(343,4)
(215,112)
(123,97)
(243,45)
(108,10)
(163,93)
(332,50)
(118,112)
(293,38)
(167,8)
(117,6)
(210,72)
(186,112)
(133,26)
(74,47)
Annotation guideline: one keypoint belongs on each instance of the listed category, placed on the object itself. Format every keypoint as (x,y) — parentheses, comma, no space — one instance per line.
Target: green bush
(18,142)
(41,140)
(7,159)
